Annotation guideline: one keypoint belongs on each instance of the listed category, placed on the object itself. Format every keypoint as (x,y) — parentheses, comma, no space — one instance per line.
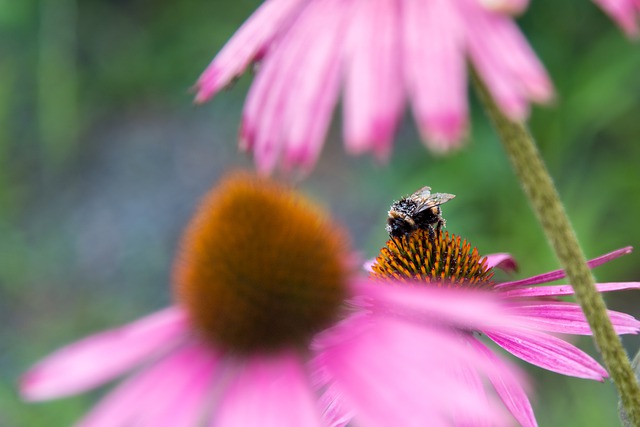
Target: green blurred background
(103,157)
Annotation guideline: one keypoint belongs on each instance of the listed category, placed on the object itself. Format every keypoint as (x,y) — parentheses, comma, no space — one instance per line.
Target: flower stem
(539,188)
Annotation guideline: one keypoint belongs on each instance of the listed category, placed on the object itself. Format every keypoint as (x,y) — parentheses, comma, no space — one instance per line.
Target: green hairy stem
(539,188)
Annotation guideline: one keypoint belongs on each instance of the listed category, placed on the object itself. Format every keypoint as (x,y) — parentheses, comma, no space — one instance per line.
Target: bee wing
(422,193)
(432,200)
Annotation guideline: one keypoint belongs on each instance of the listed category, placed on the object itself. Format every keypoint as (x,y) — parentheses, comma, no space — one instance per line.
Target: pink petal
(548,352)
(624,12)
(335,413)
(506,62)
(289,105)
(373,90)
(487,56)
(568,318)
(521,60)
(268,391)
(180,397)
(247,43)
(262,128)
(502,261)
(559,274)
(508,386)
(99,358)
(472,379)
(134,399)
(118,409)
(435,70)
(464,309)
(513,7)
(313,92)
(559,290)
(380,365)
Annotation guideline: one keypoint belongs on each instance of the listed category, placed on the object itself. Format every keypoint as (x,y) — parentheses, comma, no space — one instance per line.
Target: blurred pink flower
(625,12)
(540,315)
(230,352)
(380,52)
(175,376)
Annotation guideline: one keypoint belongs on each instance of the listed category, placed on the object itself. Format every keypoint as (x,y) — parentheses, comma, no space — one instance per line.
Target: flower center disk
(445,260)
(260,267)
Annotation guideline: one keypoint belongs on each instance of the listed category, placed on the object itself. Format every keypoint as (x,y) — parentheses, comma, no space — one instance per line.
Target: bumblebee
(421,210)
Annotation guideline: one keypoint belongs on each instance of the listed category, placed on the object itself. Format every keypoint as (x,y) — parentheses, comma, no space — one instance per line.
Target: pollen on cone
(260,267)
(443,259)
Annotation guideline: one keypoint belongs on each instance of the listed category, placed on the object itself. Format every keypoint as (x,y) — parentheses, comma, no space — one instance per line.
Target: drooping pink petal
(380,364)
(101,357)
(180,397)
(119,407)
(469,310)
(131,401)
(518,57)
(313,92)
(488,59)
(290,104)
(503,261)
(513,7)
(559,290)
(559,274)
(461,417)
(508,386)
(334,411)
(625,12)
(247,43)
(268,391)
(435,70)
(387,49)
(506,62)
(262,128)
(568,318)
(548,352)
(373,91)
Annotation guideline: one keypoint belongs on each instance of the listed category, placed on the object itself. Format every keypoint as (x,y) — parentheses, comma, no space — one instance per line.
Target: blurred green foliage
(103,156)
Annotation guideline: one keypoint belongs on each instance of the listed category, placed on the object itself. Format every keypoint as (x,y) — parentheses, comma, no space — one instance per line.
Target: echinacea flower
(273,327)
(626,13)
(417,258)
(380,53)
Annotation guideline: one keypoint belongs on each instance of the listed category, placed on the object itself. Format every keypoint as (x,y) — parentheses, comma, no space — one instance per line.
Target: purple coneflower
(272,326)
(624,12)
(418,259)
(380,52)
